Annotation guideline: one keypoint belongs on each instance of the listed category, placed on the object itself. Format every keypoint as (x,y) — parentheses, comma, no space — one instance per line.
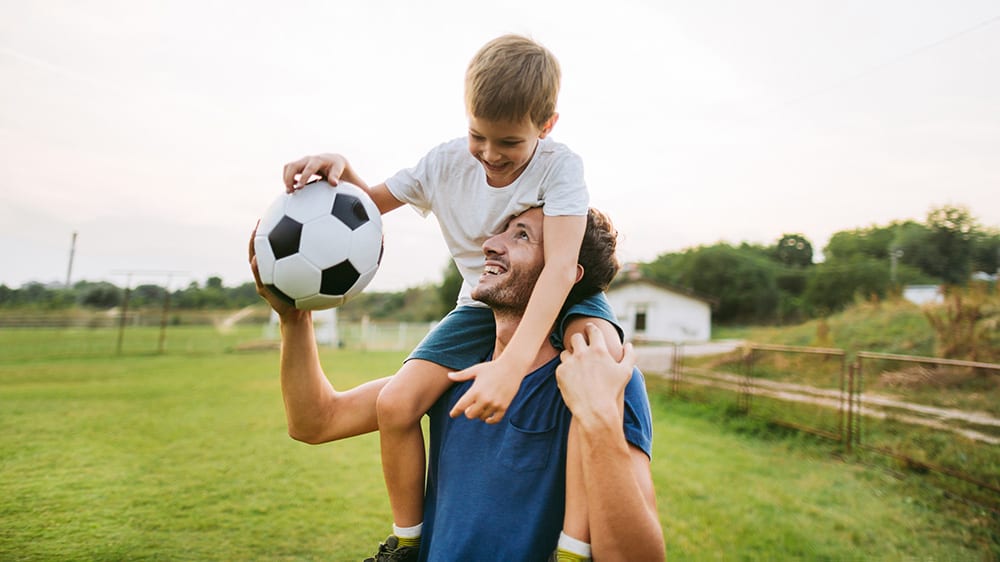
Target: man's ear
(547,127)
(579,273)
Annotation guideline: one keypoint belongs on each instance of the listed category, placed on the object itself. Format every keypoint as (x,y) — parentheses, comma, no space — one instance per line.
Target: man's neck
(506,326)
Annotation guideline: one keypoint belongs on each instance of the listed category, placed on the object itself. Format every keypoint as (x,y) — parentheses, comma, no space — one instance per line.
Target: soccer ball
(319,246)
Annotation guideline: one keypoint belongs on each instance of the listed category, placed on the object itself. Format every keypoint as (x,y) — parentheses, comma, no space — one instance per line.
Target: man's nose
(492,245)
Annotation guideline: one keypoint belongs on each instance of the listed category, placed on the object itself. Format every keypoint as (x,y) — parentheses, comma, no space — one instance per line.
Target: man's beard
(511,297)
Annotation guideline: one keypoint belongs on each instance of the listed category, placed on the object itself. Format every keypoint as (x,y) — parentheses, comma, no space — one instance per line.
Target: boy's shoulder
(550,147)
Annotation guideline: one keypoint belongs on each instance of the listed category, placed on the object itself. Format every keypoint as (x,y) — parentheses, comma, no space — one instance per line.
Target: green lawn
(184,456)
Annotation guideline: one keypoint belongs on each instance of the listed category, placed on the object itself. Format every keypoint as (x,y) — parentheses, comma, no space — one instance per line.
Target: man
(497,491)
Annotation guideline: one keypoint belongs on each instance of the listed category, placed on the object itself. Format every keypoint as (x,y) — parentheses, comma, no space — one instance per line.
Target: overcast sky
(157,130)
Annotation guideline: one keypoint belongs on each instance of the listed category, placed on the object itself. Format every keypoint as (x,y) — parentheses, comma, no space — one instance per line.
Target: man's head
(515,258)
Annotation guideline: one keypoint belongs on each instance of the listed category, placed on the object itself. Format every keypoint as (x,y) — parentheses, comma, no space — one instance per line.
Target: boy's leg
(401,405)
(574,542)
(575,522)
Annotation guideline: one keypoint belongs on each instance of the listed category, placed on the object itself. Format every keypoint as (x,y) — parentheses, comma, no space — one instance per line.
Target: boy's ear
(547,127)
(579,273)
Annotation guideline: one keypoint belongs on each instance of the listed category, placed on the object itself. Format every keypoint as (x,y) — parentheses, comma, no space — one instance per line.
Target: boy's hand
(327,166)
(495,387)
(282,307)
(591,381)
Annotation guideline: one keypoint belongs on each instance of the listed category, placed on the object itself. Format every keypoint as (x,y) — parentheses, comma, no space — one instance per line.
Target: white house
(923,294)
(648,310)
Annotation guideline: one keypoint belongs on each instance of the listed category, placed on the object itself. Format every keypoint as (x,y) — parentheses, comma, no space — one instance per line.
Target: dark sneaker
(390,551)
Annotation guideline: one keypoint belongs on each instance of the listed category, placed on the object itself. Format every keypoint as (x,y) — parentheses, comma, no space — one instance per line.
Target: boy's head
(512,79)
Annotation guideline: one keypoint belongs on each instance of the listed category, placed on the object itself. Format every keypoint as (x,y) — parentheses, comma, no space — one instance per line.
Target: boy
(506,165)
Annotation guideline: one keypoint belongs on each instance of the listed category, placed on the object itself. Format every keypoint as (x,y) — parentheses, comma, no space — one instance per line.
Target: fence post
(858,391)
(675,368)
(746,383)
(163,320)
(850,407)
(121,322)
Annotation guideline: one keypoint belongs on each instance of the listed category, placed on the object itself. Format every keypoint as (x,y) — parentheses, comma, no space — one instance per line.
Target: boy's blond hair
(510,78)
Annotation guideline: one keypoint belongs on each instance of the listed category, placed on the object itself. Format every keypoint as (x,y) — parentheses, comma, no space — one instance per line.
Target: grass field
(184,456)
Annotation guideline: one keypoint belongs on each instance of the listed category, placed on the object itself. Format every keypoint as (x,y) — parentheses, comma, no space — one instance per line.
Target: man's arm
(621,502)
(315,411)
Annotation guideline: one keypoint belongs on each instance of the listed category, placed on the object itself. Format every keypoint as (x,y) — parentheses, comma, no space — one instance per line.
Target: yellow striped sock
(409,541)
(567,556)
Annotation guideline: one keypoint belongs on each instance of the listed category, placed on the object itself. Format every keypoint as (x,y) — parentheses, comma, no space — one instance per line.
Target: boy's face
(504,148)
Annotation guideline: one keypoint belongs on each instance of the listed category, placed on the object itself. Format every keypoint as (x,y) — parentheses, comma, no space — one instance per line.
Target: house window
(640,320)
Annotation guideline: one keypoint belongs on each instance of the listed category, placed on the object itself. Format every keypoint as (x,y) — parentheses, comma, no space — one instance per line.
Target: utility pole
(894,255)
(72,251)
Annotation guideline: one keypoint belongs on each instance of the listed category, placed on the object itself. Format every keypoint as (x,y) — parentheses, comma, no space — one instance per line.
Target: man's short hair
(510,78)
(598,256)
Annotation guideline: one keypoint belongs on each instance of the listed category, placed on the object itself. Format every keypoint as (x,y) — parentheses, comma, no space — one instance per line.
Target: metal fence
(932,415)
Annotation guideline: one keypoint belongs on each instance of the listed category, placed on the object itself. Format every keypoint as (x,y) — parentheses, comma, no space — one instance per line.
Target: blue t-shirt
(497,492)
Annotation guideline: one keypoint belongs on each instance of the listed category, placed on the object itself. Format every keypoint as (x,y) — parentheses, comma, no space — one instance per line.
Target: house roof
(628,280)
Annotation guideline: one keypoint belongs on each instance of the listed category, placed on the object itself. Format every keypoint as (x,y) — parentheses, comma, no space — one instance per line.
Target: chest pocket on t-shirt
(526,450)
(534,425)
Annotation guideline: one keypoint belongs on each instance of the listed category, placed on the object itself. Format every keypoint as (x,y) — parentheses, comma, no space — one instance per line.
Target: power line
(895,60)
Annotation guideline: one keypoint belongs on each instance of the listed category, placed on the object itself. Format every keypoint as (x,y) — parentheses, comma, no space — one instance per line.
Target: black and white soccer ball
(319,246)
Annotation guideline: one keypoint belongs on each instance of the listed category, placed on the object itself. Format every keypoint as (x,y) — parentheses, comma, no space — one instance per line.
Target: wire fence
(82,333)
(931,415)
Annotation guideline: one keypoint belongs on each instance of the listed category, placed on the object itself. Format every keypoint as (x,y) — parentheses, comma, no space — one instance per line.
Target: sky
(157,131)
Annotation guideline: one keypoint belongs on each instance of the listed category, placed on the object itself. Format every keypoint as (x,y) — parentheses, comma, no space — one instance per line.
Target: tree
(101,295)
(741,279)
(873,242)
(793,250)
(950,238)
(986,252)
(147,295)
(835,283)
(449,288)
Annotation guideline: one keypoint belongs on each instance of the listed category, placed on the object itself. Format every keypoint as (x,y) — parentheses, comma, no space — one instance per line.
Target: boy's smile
(504,148)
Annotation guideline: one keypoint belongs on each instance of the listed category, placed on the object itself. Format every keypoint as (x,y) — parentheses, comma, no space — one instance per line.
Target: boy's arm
(315,411)
(333,168)
(621,500)
(497,381)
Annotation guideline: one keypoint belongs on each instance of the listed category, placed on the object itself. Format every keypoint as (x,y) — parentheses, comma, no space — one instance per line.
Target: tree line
(751,284)
(780,283)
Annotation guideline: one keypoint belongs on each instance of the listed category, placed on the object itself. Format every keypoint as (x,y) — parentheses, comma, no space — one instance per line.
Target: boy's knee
(396,408)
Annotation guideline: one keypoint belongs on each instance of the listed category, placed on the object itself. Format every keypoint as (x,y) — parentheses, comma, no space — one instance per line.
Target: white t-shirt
(451,183)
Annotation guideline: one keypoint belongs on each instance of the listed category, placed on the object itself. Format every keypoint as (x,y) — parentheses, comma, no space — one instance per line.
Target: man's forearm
(624,524)
(315,411)
(304,388)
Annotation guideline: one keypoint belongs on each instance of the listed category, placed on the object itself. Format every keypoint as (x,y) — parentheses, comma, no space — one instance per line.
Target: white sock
(569,544)
(408,532)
